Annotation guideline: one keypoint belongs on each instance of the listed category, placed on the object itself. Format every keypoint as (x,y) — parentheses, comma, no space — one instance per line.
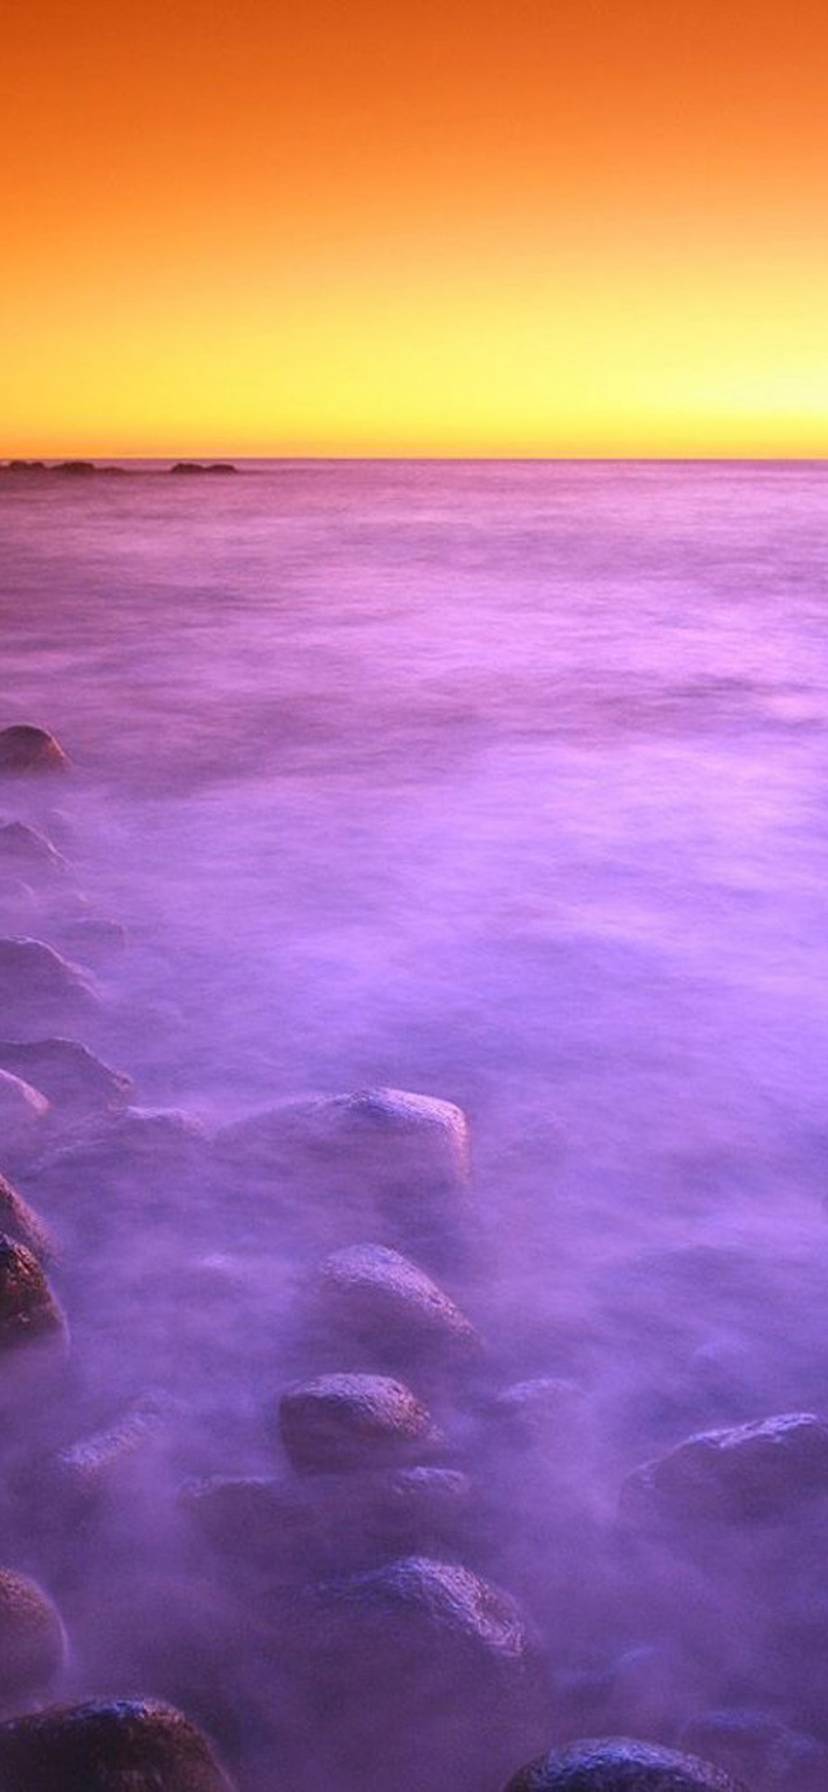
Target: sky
(549,227)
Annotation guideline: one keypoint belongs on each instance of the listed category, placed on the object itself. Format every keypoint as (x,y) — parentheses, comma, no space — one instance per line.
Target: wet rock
(32,1641)
(537,1412)
(429,1653)
(40,988)
(70,1076)
(72,1485)
(20,1221)
(301,1530)
(759,1749)
(382,1302)
(24,748)
(395,1162)
(340,1422)
(149,1140)
(29,1313)
(760,1471)
(619,1765)
(23,1116)
(117,1745)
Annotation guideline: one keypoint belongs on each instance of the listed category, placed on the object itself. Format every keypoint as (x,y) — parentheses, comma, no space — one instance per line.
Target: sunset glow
(576,228)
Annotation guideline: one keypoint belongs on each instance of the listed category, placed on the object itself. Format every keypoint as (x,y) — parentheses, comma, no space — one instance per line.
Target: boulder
(383,1303)
(115,1745)
(29,1312)
(340,1422)
(326,1524)
(760,1471)
(32,1641)
(396,1163)
(20,1221)
(538,1412)
(24,748)
(616,1764)
(24,1112)
(68,1074)
(38,987)
(25,852)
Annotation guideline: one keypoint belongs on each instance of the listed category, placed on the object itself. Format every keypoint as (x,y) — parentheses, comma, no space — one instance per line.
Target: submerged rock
(394,1162)
(24,748)
(68,1074)
(327,1524)
(32,1641)
(760,1749)
(24,852)
(116,1745)
(39,987)
(618,1765)
(340,1422)
(382,1301)
(23,1115)
(760,1471)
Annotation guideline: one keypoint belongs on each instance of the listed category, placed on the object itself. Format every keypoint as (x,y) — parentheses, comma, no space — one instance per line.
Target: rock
(95,936)
(37,986)
(29,1313)
(771,1757)
(394,1162)
(429,1654)
(352,1421)
(24,748)
(32,1641)
(618,1765)
(135,1140)
(193,466)
(78,1480)
(760,1471)
(19,1220)
(24,852)
(384,1303)
(536,1412)
(23,1115)
(117,1745)
(25,466)
(327,1524)
(77,468)
(70,1076)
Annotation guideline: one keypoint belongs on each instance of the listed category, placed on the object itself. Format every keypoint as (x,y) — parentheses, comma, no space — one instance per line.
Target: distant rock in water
(77,468)
(117,1745)
(352,1421)
(616,1764)
(25,466)
(193,466)
(23,1114)
(759,1471)
(29,1313)
(68,1074)
(24,748)
(32,1642)
(386,1304)
(39,987)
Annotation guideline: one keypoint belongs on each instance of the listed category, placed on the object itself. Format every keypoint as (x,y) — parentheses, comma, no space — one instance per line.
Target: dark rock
(32,1641)
(194,466)
(760,1749)
(427,1653)
(760,1471)
(24,748)
(618,1765)
(70,1076)
(118,1745)
(19,1220)
(328,1524)
(383,1302)
(25,466)
(77,468)
(38,986)
(352,1421)
(29,1313)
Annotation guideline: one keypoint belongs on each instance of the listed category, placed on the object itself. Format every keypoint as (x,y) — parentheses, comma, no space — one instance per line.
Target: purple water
(501,782)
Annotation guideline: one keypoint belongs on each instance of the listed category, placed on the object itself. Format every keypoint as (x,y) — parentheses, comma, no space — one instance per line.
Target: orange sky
(545,227)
